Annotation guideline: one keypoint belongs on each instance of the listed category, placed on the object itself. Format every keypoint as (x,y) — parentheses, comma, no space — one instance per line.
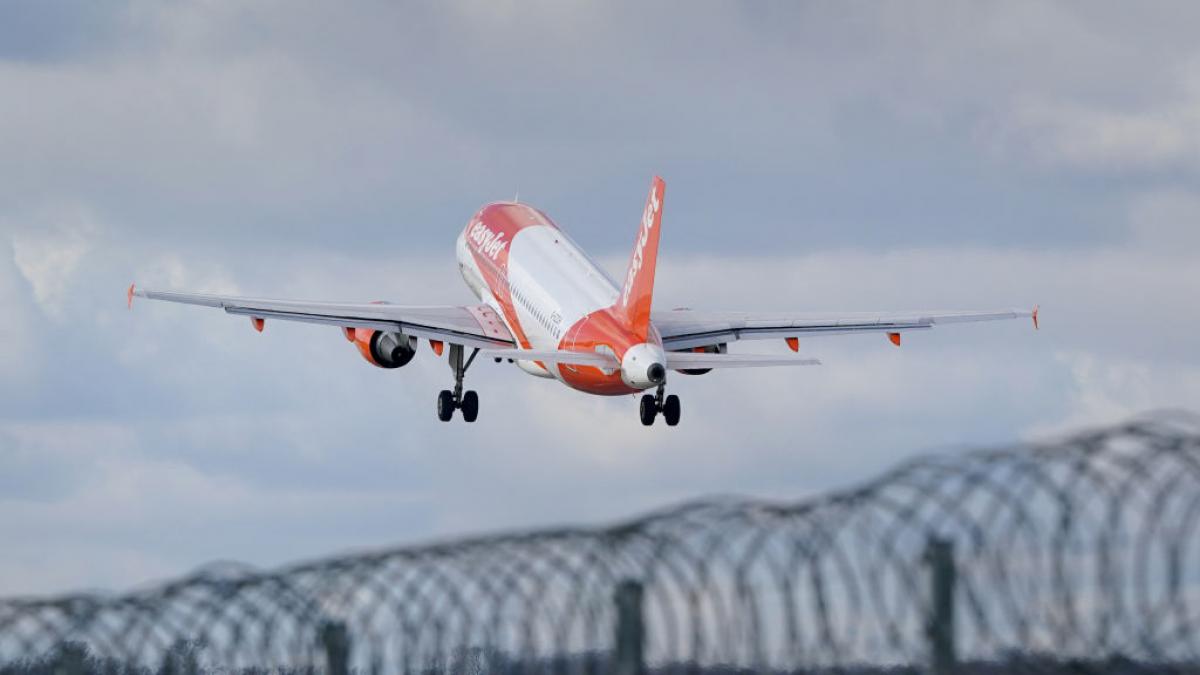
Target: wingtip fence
(1078,555)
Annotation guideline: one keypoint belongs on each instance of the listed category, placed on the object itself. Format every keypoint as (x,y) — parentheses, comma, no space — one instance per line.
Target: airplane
(547,307)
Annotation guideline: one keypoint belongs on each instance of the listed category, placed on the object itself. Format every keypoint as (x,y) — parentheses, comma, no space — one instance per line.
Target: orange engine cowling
(383,349)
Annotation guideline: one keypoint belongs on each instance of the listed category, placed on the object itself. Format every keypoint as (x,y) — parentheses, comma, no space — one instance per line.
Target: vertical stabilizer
(633,305)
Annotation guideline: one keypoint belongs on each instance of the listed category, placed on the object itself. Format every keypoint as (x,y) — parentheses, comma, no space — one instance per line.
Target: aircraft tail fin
(633,305)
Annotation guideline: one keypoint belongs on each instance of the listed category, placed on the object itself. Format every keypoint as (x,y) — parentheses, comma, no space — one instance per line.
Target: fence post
(627,658)
(939,626)
(71,659)
(336,642)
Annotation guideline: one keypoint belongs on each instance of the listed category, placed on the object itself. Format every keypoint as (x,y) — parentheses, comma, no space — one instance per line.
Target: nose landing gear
(652,405)
(449,401)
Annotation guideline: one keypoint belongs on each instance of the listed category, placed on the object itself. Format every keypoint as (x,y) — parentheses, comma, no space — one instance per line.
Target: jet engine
(383,349)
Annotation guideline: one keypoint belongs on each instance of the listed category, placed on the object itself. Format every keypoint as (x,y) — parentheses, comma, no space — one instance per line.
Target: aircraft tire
(445,406)
(470,406)
(671,410)
(648,410)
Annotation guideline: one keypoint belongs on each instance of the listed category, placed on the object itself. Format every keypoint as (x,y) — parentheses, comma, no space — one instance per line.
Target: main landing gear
(449,401)
(652,405)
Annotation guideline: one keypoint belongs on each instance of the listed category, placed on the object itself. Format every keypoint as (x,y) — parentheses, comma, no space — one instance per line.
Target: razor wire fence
(1073,556)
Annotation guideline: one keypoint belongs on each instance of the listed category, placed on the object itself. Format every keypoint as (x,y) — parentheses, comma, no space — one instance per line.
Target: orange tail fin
(633,306)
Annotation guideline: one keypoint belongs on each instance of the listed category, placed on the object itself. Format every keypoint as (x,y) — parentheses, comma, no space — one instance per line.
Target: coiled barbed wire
(1074,556)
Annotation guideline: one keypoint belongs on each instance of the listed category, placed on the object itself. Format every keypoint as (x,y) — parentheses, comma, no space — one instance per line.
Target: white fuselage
(553,285)
(553,297)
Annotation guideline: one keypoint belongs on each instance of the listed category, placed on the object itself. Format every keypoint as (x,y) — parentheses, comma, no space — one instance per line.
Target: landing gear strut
(449,401)
(652,405)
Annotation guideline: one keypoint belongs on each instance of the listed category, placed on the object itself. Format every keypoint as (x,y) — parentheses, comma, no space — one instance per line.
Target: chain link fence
(1073,556)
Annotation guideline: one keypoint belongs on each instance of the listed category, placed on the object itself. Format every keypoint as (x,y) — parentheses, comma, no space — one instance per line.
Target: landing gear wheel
(670,410)
(648,409)
(449,400)
(445,406)
(470,406)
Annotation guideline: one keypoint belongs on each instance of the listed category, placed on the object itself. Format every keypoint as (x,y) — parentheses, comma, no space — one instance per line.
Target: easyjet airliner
(547,307)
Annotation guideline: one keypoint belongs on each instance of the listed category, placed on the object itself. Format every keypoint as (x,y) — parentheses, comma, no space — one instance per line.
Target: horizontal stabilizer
(696,360)
(555,356)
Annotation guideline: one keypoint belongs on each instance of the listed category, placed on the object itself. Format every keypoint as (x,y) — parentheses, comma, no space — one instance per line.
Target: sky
(818,157)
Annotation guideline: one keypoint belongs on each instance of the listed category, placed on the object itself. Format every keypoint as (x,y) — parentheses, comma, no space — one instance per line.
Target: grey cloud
(336,129)
(55,31)
(840,157)
(24,474)
(284,444)
(1166,219)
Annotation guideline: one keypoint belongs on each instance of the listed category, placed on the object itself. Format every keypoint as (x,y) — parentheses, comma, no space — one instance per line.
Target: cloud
(47,249)
(821,158)
(99,499)
(1168,219)
(1105,139)
(342,129)
(18,354)
(286,444)
(55,31)
(1104,389)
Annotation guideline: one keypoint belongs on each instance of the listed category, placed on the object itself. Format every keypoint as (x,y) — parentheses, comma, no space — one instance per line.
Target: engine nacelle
(383,349)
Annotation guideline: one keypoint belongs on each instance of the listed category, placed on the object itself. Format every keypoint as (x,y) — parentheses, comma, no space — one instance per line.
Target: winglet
(895,338)
(633,306)
(1035,317)
(129,296)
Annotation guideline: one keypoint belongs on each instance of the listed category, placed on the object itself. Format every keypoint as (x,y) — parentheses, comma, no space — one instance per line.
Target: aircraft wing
(472,326)
(685,329)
